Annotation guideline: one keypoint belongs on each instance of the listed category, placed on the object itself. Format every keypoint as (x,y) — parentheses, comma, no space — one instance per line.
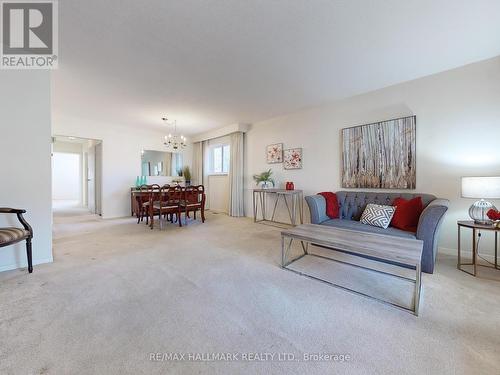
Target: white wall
(25,171)
(66,176)
(458,134)
(121,161)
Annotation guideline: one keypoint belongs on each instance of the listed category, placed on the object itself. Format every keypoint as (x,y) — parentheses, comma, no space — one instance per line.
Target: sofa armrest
(428,231)
(317,208)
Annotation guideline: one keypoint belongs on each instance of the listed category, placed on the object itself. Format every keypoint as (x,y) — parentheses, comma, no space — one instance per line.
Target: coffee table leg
(418,282)
(458,264)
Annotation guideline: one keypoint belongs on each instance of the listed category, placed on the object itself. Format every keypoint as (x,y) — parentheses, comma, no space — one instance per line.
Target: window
(219,159)
(176,164)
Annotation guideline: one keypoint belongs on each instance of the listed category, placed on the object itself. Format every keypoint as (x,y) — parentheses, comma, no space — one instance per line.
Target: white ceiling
(209,63)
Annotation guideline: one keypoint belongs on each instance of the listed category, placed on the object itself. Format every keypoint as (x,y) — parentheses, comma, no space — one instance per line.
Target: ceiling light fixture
(173,141)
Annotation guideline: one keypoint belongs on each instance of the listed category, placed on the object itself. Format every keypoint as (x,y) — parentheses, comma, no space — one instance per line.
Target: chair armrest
(7,210)
(428,231)
(317,208)
(20,217)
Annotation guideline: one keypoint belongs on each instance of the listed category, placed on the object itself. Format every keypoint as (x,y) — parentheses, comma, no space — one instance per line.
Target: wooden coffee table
(403,252)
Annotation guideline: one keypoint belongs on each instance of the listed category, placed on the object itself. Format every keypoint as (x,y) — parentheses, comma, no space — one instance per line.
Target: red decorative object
(493,214)
(407,213)
(332,204)
(290,186)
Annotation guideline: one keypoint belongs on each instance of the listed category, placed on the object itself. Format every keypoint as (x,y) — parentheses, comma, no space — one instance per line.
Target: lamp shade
(481,187)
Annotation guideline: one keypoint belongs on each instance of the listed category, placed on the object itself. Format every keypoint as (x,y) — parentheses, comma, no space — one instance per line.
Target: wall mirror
(160,163)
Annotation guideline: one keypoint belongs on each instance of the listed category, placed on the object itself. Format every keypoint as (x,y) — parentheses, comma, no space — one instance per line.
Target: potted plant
(187,175)
(264,179)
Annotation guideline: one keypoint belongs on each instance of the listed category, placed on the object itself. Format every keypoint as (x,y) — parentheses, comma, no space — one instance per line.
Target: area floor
(122,299)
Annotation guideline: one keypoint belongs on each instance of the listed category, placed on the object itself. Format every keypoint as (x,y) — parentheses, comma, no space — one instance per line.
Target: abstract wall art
(380,155)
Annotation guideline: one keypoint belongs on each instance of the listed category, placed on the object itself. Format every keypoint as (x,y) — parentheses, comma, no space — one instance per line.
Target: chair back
(154,193)
(163,196)
(175,194)
(144,196)
(194,194)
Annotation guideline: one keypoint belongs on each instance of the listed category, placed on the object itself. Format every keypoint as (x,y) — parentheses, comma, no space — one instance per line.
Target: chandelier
(174,141)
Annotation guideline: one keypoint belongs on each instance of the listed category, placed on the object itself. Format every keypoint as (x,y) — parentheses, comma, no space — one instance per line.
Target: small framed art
(292,158)
(274,153)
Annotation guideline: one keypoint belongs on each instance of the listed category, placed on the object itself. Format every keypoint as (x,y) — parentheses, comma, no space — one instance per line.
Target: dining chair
(168,204)
(194,200)
(142,199)
(153,197)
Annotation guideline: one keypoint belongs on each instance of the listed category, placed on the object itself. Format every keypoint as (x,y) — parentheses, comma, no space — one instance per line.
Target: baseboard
(25,265)
(454,253)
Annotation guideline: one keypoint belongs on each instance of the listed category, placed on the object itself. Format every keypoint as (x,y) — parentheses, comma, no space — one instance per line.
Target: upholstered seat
(12,235)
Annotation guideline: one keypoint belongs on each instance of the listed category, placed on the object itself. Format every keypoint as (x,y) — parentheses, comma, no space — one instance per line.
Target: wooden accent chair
(147,195)
(142,199)
(168,204)
(194,200)
(12,235)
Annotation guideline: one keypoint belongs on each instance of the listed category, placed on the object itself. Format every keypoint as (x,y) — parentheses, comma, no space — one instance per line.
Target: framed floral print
(292,158)
(275,153)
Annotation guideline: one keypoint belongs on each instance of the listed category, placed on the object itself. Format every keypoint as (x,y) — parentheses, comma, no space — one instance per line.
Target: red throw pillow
(332,204)
(407,213)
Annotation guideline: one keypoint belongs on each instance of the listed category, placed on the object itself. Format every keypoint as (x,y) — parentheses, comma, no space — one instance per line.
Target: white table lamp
(481,188)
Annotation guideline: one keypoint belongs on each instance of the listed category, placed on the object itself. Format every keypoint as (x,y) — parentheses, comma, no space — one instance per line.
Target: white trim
(220,132)
(454,253)
(24,264)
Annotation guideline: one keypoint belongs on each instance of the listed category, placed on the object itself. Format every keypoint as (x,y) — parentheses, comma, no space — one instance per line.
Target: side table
(476,230)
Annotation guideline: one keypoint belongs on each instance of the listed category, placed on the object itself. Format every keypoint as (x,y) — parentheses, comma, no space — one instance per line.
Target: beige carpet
(118,291)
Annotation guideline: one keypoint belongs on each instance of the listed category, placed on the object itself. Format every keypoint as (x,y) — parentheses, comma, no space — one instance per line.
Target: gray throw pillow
(378,215)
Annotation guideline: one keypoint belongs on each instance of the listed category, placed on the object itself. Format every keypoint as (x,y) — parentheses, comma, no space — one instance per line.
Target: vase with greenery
(264,179)
(187,175)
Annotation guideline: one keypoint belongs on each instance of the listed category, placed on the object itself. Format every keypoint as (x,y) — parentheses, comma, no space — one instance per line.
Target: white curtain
(167,164)
(236,206)
(197,163)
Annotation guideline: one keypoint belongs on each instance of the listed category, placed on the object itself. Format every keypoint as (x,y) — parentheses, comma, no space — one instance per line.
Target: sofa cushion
(407,213)
(378,215)
(356,225)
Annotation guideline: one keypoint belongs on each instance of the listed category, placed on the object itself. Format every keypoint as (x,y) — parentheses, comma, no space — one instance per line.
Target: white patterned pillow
(378,215)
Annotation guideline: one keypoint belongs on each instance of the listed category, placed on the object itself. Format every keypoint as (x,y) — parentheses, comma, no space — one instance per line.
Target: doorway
(76,176)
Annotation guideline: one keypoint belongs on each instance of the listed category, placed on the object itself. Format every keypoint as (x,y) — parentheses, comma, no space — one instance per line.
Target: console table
(476,231)
(295,207)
